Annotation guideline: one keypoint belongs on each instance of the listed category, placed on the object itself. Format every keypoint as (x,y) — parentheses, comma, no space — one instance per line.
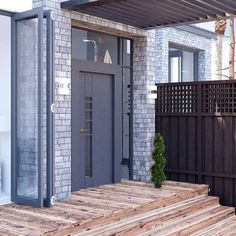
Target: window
(94,46)
(183,65)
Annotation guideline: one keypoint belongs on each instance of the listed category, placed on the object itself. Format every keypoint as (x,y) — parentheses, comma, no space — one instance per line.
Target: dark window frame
(180,49)
(125,161)
(99,32)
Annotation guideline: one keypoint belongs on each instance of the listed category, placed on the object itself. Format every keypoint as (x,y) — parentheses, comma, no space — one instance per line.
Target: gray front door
(94,161)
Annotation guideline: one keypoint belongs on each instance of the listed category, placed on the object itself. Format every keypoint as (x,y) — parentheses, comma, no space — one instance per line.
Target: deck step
(142,223)
(224,227)
(126,208)
(179,192)
(188,211)
(190,224)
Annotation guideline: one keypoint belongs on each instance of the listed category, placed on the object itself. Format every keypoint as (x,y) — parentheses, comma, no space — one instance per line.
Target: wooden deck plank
(228,228)
(103,206)
(118,193)
(153,193)
(187,186)
(164,191)
(31,220)
(165,186)
(15,228)
(139,223)
(111,196)
(158,203)
(52,212)
(223,226)
(8,232)
(86,205)
(39,214)
(188,225)
(127,192)
(105,202)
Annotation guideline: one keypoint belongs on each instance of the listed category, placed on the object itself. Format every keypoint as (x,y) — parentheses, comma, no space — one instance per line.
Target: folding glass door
(5,108)
(32,143)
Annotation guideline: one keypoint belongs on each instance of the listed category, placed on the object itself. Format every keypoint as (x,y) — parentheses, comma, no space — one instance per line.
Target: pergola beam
(154,13)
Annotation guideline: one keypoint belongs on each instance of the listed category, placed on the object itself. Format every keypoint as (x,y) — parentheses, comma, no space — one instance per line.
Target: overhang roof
(152,13)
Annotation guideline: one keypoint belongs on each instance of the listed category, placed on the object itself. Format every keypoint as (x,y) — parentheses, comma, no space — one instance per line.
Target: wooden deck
(127,208)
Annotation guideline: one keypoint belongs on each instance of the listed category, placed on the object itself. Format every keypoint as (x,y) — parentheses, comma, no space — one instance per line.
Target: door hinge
(53,200)
(52,14)
(52,107)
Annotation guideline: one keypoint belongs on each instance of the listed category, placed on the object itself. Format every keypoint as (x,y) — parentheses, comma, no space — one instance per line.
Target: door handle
(82,131)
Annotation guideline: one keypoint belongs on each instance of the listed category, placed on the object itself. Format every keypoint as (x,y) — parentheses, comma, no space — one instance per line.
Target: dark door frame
(39,14)
(116,72)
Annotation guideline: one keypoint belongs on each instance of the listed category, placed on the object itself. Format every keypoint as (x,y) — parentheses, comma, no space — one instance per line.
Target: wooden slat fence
(198,122)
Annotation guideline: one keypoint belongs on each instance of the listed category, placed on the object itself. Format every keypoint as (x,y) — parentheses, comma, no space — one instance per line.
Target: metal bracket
(52,107)
(53,200)
(52,15)
(152,92)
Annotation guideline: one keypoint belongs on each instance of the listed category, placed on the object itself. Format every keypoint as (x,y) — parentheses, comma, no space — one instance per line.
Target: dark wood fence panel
(198,122)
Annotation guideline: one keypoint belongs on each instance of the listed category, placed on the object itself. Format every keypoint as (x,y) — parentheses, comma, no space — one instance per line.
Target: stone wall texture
(150,66)
(145,56)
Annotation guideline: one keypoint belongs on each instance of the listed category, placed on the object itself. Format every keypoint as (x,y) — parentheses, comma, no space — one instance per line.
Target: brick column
(144,106)
(62,60)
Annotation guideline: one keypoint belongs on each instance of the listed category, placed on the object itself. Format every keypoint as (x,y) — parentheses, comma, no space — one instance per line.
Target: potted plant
(157,169)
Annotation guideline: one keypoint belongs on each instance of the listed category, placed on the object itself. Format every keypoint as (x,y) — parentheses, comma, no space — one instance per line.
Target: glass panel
(88,135)
(174,69)
(44,111)
(27,109)
(188,66)
(126,121)
(126,112)
(93,46)
(5,110)
(126,52)
(173,49)
(182,64)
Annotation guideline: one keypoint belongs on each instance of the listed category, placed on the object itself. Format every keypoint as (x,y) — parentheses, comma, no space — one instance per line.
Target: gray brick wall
(145,56)
(186,39)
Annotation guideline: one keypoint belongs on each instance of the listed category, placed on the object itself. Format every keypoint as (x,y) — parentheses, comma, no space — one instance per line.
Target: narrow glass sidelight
(88,104)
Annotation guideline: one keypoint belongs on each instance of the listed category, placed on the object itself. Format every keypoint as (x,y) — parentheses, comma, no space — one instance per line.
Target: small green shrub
(157,169)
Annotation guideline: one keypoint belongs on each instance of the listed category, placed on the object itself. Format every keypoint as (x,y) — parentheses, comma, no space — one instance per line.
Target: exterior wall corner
(143,104)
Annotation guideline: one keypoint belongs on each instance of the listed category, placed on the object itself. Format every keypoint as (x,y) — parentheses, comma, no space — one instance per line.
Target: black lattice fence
(198,122)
